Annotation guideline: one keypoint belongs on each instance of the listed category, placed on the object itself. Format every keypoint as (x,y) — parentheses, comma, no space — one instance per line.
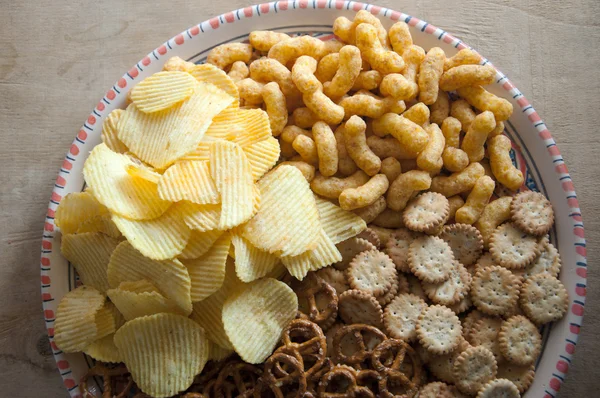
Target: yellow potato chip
(208,272)
(170,277)
(262,156)
(278,272)
(199,243)
(200,217)
(106,174)
(90,253)
(232,174)
(255,316)
(211,74)
(104,350)
(208,312)
(338,223)
(189,181)
(109,132)
(200,153)
(218,353)
(103,224)
(251,263)
(287,223)
(163,352)
(117,316)
(326,253)
(160,138)
(75,209)
(141,171)
(136,304)
(105,322)
(141,286)
(242,126)
(75,325)
(160,238)
(162,90)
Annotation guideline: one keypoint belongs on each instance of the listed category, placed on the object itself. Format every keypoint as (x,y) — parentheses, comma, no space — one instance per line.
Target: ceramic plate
(534,152)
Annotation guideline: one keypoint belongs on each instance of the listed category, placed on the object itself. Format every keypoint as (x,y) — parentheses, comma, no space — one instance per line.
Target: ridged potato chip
(189,181)
(208,272)
(141,171)
(232,174)
(255,316)
(75,209)
(110,134)
(103,224)
(199,243)
(251,263)
(200,153)
(75,325)
(242,126)
(160,238)
(134,304)
(211,74)
(117,316)
(218,353)
(200,217)
(140,286)
(105,322)
(104,350)
(90,253)
(208,312)
(287,223)
(262,155)
(326,253)
(106,174)
(338,223)
(160,138)
(170,277)
(162,90)
(163,352)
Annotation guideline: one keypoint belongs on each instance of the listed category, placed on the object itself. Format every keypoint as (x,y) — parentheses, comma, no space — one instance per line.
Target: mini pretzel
(308,291)
(396,384)
(269,381)
(313,342)
(243,376)
(107,377)
(342,379)
(391,355)
(358,332)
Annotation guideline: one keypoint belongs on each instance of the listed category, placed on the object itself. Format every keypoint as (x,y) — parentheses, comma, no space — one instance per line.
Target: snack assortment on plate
(308,218)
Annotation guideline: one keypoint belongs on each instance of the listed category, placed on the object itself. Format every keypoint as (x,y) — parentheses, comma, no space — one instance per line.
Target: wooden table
(58,57)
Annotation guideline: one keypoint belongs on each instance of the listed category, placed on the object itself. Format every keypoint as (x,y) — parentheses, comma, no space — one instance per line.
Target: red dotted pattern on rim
(577,304)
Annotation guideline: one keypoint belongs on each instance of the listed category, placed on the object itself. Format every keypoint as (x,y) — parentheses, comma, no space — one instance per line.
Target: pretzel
(107,378)
(342,379)
(396,384)
(269,381)
(313,343)
(241,375)
(391,355)
(308,291)
(357,332)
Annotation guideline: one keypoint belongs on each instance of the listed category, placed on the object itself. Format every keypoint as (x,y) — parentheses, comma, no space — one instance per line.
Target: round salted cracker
(513,248)
(371,271)
(465,241)
(499,388)
(461,306)
(495,290)
(547,262)
(371,236)
(430,259)
(426,212)
(485,333)
(436,389)
(485,260)
(532,212)
(452,290)
(439,329)
(469,320)
(521,376)
(544,298)
(390,294)
(329,337)
(336,278)
(401,315)
(415,287)
(397,248)
(520,341)
(442,366)
(475,367)
(356,306)
(349,249)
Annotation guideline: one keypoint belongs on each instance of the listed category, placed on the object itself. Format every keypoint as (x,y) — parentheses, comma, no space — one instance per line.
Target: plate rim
(575,311)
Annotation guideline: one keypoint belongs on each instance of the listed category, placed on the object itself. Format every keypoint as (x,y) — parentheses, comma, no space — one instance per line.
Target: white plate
(535,152)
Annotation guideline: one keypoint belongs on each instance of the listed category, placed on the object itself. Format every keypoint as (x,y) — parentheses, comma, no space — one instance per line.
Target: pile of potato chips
(186,229)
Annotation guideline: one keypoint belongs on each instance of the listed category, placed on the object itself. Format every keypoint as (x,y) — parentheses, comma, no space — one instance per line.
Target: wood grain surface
(59,56)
